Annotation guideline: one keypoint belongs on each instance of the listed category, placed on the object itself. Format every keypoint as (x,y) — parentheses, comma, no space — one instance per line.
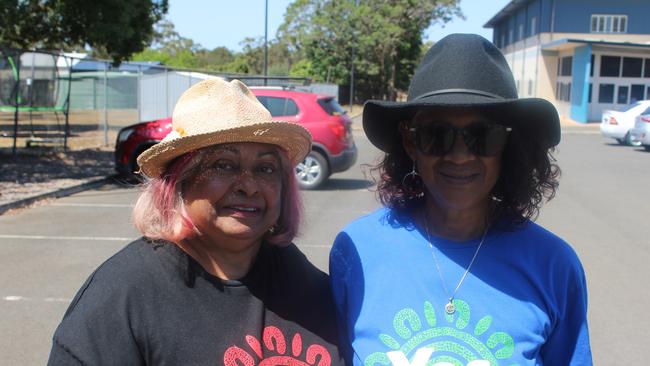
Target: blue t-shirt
(524,302)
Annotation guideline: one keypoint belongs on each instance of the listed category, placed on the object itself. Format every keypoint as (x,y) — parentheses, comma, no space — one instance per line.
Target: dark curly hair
(529,176)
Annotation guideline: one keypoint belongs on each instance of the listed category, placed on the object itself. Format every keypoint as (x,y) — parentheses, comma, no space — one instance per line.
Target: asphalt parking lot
(49,250)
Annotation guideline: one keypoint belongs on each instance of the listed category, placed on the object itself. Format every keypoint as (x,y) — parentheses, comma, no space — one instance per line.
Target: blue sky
(214,23)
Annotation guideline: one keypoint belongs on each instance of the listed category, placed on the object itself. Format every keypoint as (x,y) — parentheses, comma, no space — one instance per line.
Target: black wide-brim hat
(464,71)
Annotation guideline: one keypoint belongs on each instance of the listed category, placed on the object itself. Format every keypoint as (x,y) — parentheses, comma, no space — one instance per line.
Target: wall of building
(572,19)
(88,90)
(547,75)
(574,16)
(581,71)
(538,72)
(596,37)
(621,87)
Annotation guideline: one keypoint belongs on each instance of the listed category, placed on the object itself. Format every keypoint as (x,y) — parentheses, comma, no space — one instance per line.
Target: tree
(216,58)
(117,27)
(386,36)
(171,49)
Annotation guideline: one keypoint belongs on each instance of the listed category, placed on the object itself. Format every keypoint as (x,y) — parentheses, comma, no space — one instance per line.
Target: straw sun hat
(216,112)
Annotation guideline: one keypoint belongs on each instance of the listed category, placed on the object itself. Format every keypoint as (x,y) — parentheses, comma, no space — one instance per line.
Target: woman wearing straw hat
(215,280)
(452,271)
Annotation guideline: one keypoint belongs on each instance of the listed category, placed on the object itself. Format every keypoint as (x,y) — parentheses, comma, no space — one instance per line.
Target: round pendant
(450,308)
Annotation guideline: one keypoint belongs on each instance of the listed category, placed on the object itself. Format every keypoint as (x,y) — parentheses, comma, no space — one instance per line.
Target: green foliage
(152,55)
(302,69)
(117,28)
(383,39)
(171,49)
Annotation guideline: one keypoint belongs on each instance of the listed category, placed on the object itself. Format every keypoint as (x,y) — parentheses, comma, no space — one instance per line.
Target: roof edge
(510,8)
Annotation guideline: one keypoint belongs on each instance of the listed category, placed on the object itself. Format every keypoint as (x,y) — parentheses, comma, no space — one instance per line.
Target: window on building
(533,26)
(610,66)
(623,25)
(567,64)
(632,67)
(521,32)
(636,92)
(563,92)
(606,93)
(647,92)
(591,65)
(622,94)
(503,40)
(594,24)
(510,36)
(646,68)
(591,90)
(603,23)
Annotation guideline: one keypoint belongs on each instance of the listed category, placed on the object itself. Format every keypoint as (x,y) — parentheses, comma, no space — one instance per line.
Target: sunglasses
(438,138)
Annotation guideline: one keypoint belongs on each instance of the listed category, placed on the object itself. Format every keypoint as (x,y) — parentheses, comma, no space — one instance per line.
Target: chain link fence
(69,101)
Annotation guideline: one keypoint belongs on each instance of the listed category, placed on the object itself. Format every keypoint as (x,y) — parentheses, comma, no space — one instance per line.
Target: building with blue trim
(585,56)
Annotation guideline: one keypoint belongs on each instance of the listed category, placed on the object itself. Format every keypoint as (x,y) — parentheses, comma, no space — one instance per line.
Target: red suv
(333,149)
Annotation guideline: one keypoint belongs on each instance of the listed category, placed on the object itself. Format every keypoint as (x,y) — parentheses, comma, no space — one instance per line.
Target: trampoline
(34,83)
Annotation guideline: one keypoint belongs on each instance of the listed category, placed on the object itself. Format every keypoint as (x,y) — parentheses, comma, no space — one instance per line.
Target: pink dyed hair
(159,212)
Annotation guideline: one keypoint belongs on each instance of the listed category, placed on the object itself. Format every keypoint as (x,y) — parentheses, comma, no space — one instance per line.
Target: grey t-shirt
(152,304)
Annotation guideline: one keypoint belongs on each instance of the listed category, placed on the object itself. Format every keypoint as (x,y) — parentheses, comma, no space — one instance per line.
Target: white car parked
(641,131)
(617,124)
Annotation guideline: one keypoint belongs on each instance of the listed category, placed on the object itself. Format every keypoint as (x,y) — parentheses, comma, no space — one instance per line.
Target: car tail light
(338,128)
(645,119)
(613,121)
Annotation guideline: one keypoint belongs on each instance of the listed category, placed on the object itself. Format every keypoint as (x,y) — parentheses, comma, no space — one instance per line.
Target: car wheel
(312,171)
(628,140)
(621,141)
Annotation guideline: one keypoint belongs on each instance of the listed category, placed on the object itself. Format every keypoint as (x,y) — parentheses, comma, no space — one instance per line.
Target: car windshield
(331,106)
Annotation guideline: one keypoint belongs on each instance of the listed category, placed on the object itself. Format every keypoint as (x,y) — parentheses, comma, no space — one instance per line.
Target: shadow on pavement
(345,184)
(37,165)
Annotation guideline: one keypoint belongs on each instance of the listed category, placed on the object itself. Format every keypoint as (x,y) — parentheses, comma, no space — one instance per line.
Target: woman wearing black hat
(453,271)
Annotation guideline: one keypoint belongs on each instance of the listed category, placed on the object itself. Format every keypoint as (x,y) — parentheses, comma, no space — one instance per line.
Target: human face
(234,198)
(458,179)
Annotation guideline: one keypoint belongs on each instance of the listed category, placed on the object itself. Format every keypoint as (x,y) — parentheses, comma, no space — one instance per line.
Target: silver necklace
(450,308)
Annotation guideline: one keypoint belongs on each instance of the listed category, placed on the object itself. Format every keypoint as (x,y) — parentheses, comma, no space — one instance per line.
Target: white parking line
(14,298)
(318,246)
(92,204)
(44,237)
(580,133)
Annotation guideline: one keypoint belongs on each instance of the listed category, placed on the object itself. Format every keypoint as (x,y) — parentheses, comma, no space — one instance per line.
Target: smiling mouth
(459,178)
(243,211)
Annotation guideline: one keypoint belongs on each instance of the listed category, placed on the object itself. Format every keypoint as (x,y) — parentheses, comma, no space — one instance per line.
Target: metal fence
(74,102)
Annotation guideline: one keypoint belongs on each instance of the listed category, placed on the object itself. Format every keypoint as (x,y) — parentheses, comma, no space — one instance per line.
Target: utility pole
(356,4)
(266,40)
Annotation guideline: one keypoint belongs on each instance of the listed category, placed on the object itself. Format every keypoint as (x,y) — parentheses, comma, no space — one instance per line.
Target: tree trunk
(393,76)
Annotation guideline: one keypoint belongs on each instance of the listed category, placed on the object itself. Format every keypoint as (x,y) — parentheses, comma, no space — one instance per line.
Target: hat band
(464,91)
